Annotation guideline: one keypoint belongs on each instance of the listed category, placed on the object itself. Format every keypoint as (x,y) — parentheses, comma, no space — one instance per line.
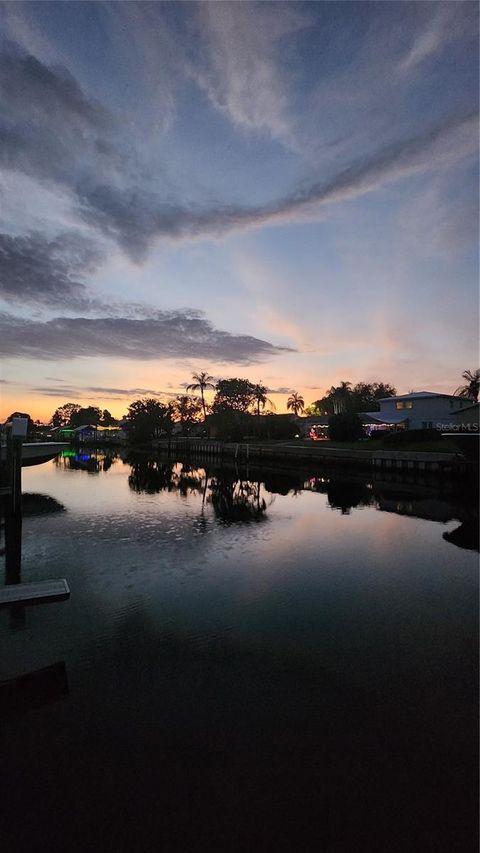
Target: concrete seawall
(452,464)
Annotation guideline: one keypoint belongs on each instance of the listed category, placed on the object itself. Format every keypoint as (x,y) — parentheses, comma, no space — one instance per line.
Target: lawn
(441,445)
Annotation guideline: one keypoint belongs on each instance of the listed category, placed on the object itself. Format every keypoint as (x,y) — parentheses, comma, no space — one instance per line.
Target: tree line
(239,406)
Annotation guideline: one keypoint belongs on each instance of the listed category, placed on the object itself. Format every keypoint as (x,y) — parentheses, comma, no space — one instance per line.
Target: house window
(403,404)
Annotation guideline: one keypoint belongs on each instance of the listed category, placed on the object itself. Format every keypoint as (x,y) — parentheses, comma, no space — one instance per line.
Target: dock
(34,593)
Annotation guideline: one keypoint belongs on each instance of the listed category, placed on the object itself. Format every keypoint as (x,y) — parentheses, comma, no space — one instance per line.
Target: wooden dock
(34,593)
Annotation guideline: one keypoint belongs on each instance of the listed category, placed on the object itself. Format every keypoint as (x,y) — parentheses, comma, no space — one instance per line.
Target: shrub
(345,426)
(276,427)
(408,436)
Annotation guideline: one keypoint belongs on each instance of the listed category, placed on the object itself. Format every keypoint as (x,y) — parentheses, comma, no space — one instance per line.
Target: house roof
(466,409)
(378,418)
(415,395)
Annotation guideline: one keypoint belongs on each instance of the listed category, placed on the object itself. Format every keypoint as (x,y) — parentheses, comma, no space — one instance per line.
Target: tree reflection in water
(240,496)
(465,536)
(151,476)
(346,496)
(232,497)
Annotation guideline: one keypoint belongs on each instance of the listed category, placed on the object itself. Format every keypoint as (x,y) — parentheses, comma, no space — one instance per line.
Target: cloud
(46,272)
(448,21)
(238,62)
(136,218)
(283,390)
(94,392)
(51,129)
(168,334)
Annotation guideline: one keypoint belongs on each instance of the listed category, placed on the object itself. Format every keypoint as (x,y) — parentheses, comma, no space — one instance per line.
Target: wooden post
(13,514)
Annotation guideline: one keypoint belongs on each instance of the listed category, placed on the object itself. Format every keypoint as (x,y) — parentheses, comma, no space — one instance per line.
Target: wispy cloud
(169,334)
(94,392)
(136,219)
(444,22)
(238,62)
(67,138)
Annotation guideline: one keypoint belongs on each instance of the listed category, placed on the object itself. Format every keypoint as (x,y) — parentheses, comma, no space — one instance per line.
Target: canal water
(250,660)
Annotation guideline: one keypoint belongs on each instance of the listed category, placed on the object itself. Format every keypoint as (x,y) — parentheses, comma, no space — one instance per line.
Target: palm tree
(201,381)
(295,402)
(339,395)
(260,397)
(472,388)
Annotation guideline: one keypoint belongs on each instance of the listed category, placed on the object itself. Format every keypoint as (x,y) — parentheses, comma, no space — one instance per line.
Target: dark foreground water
(249,661)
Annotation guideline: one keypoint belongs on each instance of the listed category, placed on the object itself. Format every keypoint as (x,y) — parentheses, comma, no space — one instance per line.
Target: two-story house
(419,410)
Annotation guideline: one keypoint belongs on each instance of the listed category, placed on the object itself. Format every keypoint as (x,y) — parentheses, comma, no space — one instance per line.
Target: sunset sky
(283,192)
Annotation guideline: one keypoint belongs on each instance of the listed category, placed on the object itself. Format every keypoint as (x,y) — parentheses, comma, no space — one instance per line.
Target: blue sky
(286,192)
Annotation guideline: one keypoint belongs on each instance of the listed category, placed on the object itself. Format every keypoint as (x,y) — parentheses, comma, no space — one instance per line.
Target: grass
(434,446)
(442,445)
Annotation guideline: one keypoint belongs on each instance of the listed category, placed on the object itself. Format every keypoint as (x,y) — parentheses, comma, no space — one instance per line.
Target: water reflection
(465,536)
(239,495)
(33,690)
(346,496)
(234,499)
(324,658)
(151,476)
(38,504)
(84,460)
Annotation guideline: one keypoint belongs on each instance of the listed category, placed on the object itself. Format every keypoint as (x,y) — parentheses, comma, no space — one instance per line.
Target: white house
(419,410)
(466,419)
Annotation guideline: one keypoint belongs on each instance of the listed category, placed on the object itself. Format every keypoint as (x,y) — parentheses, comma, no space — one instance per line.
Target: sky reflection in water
(204,603)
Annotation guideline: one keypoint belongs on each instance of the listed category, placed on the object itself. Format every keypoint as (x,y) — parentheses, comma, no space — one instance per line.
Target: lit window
(403,404)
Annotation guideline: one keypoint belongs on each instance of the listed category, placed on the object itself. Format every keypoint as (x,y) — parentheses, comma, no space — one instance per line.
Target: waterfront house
(466,419)
(418,410)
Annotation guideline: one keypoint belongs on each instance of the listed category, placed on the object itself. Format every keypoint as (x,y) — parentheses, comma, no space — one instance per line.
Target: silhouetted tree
(345,426)
(236,395)
(260,398)
(276,427)
(340,396)
(472,387)
(107,419)
(295,402)
(63,415)
(201,382)
(88,415)
(364,396)
(186,410)
(147,419)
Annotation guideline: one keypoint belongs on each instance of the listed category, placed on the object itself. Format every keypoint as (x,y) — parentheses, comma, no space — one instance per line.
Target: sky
(286,192)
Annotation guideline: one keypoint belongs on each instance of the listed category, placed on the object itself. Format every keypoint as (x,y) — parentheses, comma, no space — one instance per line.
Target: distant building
(312,426)
(466,419)
(89,432)
(418,410)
